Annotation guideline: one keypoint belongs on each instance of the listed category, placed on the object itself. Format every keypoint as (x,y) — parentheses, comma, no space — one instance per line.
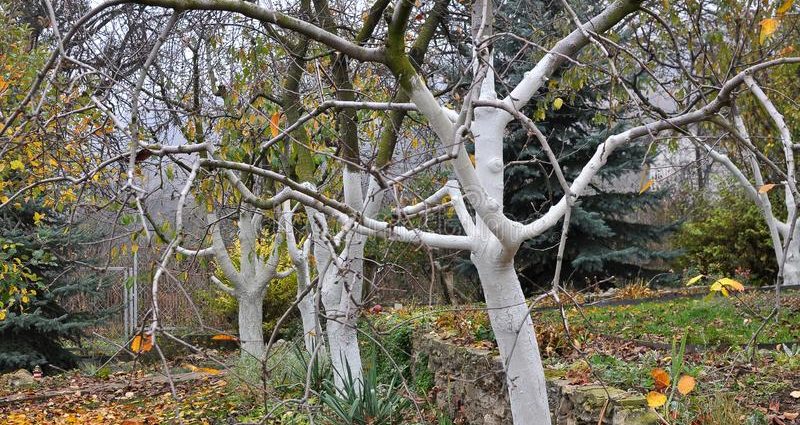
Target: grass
(711,321)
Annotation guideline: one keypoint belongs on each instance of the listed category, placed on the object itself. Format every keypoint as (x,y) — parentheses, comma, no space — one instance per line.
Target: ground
(619,345)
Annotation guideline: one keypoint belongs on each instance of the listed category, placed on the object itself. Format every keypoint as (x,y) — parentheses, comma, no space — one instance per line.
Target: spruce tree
(604,240)
(38,273)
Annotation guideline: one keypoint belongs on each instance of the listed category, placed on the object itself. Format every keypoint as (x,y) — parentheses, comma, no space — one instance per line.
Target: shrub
(728,236)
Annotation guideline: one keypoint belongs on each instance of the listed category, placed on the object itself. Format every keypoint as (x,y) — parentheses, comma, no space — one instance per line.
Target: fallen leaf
(224,337)
(791,415)
(686,384)
(795,394)
(660,378)
(656,399)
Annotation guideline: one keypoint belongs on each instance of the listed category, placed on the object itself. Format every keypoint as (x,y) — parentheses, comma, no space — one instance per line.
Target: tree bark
(514,332)
(791,267)
(251,332)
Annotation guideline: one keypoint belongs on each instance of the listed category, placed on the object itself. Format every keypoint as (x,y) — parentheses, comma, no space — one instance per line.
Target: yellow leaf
(694,280)
(686,384)
(142,344)
(646,186)
(660,378)
(720,287)
(273,124)
(37,217)
(766,188)
(656,399)
(558,103)
(731,284)
(209,370)
(785,7)
(17,165)
(768,27)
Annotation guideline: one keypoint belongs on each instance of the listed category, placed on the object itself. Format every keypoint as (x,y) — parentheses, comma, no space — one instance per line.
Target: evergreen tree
(603,238)
(37,274)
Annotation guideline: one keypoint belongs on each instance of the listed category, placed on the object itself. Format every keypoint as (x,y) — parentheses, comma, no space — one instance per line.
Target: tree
(492,238)
(39,274)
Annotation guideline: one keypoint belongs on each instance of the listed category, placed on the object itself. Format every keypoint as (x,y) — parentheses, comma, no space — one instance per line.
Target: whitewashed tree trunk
(306,294)
(791,266)
(307,306)
(514,332)
(251,332)
(341,282)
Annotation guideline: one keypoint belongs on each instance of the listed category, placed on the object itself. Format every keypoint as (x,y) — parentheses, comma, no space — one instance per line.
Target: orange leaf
(660,378)
(686,384)
(142,344)
(273,124)
(223,337)
(766,188)
(646,186)
(656,399)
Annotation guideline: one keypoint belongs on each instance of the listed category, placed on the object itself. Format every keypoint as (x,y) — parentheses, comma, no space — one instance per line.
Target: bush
(728,236)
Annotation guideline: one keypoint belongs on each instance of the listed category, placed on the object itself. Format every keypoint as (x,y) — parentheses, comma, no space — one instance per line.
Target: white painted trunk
(308,310)
(251,333)
(345,353)
(791,268)
(516,339)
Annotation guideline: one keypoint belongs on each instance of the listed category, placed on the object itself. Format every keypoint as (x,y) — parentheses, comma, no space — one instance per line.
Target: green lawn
(710,321)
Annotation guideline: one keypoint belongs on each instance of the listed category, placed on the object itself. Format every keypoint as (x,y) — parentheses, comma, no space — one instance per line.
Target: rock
(19,379)
(470,385)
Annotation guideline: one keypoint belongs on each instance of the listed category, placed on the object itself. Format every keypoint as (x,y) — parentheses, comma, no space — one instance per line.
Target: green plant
(727,237)
(423,376)
(372,403)
(387,342)
(667,384)
(723,409)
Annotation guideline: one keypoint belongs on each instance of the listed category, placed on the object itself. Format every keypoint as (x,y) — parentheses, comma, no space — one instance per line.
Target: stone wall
(469,386)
